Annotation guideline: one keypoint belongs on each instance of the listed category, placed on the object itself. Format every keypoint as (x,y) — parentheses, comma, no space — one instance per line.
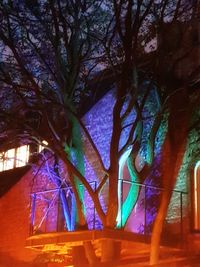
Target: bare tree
(51,53)
(158,39)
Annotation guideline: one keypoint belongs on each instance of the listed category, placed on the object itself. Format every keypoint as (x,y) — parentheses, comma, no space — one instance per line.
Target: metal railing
(142,216)
(47,212)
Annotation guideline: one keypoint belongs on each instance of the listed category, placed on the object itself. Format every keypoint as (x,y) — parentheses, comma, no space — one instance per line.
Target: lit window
(22,155)
(9,161)
(15,157)
(1,160)
(42,146)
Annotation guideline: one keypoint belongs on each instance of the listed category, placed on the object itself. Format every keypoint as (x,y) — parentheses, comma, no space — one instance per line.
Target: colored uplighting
(122,162)
(196,196)
(127,206)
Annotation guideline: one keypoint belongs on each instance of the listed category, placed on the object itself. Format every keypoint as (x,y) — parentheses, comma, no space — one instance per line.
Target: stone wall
(15,205)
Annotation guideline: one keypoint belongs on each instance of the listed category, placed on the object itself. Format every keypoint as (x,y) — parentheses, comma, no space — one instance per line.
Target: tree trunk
(173,152)
(158,227)
(112,210)
(90,253)
(170,172)
(110,250)
(78,256)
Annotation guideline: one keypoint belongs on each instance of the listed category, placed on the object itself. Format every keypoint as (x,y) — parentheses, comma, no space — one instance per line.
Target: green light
(77,154)
(126,208)
(74,151)
(122,162)
(149,156)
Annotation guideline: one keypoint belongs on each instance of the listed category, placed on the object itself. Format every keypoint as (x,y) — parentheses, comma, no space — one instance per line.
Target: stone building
(33,231)
(30,203)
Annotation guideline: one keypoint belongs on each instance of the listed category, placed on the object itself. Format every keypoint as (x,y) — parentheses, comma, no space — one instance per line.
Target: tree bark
(158,227)
(173,152)
(90,253)
(110,250)
(78,256)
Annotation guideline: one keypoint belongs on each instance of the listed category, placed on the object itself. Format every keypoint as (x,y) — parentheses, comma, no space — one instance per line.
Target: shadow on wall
(7,261)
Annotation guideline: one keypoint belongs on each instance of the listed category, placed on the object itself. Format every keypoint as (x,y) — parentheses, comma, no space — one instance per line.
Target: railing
(53,210)
(143,214)
(47,210)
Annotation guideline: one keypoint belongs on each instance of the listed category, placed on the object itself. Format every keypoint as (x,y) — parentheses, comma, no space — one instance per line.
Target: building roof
(9,178)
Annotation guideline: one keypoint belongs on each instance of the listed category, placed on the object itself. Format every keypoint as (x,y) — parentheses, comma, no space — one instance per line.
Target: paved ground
(134,251)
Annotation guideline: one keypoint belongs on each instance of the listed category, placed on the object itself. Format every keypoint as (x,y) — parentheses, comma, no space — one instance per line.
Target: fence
(47,212)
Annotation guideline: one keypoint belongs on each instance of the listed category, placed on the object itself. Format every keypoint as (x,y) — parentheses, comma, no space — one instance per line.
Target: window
(42,145)
(15,157)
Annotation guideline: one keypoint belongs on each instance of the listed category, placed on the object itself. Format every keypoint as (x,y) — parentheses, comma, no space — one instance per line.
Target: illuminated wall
(99,123)
(141,216)
(184,180)
(15,224)
(196,198)
(100,127)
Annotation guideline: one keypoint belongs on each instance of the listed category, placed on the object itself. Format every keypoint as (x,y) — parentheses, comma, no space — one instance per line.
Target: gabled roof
(10,177)
(99,86)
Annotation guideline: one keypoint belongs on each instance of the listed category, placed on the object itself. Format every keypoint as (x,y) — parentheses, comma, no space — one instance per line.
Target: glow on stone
(132,196)
(196,196)
(66,211)
(122,162)
(149,157)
